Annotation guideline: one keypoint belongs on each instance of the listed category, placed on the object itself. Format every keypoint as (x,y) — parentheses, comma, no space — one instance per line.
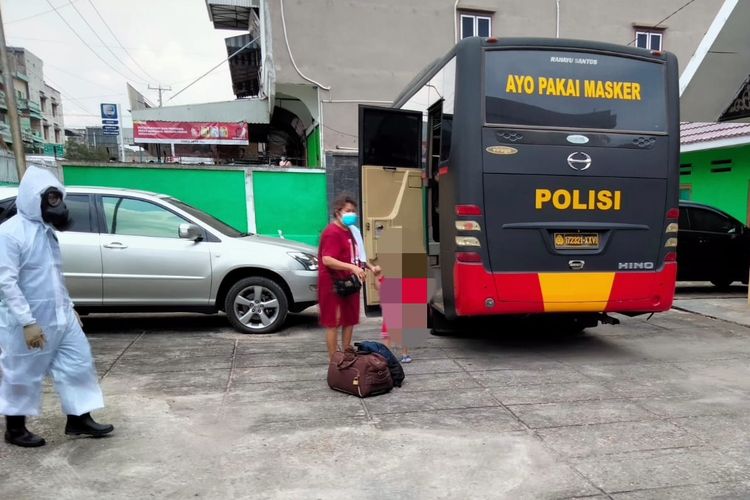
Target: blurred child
(398,338)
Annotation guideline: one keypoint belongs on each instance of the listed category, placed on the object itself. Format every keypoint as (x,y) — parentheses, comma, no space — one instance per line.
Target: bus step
(438,306)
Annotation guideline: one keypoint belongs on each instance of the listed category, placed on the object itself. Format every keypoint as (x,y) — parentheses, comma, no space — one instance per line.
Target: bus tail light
(673,214)
(672,227)
(463,210)
(671,257)
(492,39)
(468,257)
(468,225)
(467,241)
(671,243)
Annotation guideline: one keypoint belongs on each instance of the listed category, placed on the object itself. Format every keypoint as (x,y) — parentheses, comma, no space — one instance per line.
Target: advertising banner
(190,132)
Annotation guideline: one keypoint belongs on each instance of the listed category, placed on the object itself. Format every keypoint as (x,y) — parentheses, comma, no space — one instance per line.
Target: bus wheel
(438,324)
(722,283)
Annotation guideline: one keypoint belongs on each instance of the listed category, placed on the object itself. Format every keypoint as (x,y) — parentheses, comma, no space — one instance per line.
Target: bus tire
(722,283)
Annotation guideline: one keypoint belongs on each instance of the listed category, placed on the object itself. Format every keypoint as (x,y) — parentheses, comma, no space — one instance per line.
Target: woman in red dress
(337,255)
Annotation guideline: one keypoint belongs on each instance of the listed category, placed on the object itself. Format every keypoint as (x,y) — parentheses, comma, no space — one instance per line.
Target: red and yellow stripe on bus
(478,292)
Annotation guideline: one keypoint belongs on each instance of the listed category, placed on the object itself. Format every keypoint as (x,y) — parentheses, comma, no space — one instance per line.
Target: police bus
(532,176)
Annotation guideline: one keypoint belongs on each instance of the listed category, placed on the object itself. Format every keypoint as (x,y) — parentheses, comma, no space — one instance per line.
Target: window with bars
(651,40)
(475,25)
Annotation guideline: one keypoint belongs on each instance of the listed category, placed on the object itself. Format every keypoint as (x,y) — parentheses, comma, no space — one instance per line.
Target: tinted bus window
(574,89)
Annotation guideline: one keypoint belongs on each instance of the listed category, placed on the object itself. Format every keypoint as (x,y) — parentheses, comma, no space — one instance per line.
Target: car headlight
(308,261)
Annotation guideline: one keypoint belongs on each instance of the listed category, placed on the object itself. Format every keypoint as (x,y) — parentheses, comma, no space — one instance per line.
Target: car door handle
(116,245)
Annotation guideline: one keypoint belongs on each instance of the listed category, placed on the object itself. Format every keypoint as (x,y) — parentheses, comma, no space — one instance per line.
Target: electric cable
(78,77)
(87,45)
(212,69)
(38,14)
(289,49)
(340,132)
(665,19)
(120,43)
(124,64)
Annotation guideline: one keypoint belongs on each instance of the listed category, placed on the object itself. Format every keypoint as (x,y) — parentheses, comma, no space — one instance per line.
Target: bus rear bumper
(479,293)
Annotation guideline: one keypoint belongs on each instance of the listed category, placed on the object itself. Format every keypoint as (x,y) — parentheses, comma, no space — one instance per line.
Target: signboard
(740,106)
(111,123)
(109,111)
(115,131)
(190,132)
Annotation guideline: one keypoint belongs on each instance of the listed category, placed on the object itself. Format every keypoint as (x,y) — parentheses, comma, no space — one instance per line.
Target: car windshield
(212,221)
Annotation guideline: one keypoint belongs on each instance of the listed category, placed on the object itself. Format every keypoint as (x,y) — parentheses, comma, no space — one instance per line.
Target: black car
(712,246)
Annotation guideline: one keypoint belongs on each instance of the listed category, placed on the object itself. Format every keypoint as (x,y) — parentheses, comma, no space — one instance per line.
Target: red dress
(335,310)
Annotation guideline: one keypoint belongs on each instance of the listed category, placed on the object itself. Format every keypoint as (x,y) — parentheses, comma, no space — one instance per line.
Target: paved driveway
(646,409)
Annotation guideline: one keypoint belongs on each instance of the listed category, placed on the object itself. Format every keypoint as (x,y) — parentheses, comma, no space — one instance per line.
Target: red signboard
(190,132)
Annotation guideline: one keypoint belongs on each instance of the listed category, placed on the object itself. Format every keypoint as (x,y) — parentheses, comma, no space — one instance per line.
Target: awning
(715,75)
(240,110)
(231,14)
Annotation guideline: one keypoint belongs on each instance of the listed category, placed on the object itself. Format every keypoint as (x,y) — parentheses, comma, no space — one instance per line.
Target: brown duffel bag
(361,375)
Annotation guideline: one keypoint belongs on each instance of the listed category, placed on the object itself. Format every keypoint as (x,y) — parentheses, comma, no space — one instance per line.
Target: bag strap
(350,357)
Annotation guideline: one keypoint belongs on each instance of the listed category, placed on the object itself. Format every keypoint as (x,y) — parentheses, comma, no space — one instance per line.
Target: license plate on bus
(576,241)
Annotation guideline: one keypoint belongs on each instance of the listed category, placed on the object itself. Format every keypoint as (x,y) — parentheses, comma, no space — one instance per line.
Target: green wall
(313,148)
(220,193)
(294,203)
(727,190)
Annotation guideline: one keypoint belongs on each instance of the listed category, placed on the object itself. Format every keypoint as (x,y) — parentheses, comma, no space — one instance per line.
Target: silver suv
(134,251)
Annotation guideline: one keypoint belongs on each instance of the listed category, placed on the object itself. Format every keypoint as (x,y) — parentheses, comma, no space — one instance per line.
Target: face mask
(349,218)
(54,211)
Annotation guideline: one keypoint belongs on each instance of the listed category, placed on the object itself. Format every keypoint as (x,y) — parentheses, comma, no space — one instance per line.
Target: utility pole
(160,89)
(10,95)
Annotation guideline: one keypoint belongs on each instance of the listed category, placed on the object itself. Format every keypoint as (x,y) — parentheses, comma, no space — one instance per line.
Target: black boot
(16,433)
(86,425)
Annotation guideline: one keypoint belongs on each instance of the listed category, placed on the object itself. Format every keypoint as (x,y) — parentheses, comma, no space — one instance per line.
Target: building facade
(715,166)
(368,51)
(39,106)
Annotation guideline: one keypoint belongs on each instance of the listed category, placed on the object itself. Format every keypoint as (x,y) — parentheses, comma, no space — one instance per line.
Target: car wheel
(256,305)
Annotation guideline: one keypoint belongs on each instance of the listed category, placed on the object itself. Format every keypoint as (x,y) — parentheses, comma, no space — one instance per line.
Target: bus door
(393,216)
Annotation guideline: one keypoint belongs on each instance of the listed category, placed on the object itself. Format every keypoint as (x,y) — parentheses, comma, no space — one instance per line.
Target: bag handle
(350,357)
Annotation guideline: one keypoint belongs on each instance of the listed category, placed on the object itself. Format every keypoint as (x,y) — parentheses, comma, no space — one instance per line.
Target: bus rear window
(575,90)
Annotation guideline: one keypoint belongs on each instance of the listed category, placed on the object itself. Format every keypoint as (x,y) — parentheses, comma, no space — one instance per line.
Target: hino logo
(579,161)
(635,265)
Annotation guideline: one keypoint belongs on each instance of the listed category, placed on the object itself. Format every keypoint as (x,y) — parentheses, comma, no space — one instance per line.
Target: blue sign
(107,132)
(110,122)
(110,128)
(109,111)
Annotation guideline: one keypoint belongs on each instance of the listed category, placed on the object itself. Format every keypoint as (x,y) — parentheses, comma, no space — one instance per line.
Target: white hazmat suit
(32,290)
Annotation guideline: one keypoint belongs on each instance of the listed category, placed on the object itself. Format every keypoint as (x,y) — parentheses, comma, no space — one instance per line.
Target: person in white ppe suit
(40,332)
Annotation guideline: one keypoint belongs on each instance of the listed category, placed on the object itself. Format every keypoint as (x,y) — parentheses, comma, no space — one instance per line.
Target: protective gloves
(34,336)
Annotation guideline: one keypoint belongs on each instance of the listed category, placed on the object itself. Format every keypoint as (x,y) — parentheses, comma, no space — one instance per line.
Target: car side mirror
(190,232)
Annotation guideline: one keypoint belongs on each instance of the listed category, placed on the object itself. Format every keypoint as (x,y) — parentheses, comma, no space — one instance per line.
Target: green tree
(81,152)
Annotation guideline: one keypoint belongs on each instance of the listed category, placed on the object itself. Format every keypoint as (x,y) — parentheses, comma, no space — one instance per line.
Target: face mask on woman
(349,218)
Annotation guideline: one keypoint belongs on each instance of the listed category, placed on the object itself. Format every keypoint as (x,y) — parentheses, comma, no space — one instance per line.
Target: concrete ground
(653,408)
